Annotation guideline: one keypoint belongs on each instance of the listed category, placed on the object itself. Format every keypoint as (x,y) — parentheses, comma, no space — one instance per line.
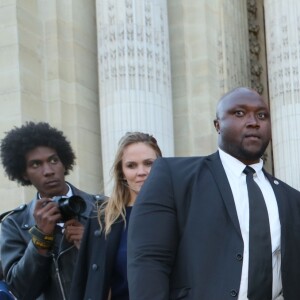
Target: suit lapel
(216,167)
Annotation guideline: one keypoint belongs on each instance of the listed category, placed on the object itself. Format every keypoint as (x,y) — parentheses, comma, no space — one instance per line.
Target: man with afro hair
(39,244)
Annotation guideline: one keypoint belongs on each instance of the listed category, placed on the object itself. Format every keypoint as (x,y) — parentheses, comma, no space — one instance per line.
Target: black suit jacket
(95,263)
(184,239)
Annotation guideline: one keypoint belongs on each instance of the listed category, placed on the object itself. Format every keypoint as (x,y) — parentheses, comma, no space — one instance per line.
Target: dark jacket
(184,238)
(95,262)
(28,274)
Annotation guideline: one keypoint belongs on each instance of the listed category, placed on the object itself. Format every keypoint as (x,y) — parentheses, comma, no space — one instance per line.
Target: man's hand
(74,232)
(46,214)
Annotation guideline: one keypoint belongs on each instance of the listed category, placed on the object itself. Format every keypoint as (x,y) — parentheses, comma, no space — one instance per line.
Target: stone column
(134,74)
(10,94)
(209,56)
(48,72)
(70,82)
(283,39)
(234,52)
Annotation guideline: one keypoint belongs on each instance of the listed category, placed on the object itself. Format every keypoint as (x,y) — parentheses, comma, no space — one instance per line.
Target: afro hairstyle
(19,141)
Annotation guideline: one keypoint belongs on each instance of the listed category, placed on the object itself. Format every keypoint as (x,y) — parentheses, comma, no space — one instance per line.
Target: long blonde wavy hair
(114,207)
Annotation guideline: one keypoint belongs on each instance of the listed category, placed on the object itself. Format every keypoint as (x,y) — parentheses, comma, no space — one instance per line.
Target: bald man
(189,229)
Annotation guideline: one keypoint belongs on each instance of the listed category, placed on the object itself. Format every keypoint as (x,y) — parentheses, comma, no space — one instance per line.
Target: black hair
(19,141)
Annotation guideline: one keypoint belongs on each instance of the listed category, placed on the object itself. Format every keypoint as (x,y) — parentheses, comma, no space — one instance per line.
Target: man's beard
(251,155)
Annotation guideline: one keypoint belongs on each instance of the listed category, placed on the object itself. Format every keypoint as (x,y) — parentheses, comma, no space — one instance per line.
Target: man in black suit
(189,229)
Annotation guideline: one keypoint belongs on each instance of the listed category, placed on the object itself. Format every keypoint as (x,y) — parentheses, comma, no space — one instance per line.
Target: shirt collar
(236,166)
(68,194)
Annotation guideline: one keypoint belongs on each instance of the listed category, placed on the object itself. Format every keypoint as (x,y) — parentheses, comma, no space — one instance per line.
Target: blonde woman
(101,271)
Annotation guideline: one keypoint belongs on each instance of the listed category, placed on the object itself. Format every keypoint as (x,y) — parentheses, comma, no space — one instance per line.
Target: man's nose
(252,120)
(48,169)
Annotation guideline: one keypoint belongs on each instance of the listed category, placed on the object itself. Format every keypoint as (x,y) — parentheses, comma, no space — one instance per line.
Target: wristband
(41,245)
(41,240)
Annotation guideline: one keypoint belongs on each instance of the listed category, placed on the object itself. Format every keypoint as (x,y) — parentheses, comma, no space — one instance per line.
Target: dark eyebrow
(34,161)
(39,160)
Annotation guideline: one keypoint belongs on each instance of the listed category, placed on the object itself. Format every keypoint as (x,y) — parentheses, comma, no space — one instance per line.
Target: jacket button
(239,256)
(233,293)
(94,267)
(97,233)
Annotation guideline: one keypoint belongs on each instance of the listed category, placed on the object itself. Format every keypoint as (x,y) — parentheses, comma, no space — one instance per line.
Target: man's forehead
(243,98)
(41,152)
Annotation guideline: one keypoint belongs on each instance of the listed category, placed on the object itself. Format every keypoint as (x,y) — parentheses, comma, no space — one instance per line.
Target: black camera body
(70,207)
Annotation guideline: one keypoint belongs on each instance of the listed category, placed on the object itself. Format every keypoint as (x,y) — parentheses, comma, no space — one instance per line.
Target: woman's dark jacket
(95,261)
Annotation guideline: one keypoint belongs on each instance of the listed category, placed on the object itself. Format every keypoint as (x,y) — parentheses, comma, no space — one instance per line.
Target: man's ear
(217,125)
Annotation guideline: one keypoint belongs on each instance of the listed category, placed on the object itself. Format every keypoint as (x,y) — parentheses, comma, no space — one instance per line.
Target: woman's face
(137,161)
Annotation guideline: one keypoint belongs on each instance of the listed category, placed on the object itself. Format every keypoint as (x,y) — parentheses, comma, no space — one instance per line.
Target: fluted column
(209,56)
(10,94)
(48,72)
(283,43)
(134,73)
(233,42)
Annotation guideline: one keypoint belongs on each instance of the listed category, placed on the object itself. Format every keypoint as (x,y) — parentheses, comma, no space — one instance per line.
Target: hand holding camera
(46,214)
(48,211)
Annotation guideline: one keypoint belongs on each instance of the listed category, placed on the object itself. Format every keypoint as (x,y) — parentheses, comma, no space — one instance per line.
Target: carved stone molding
(255,65)
(136,53)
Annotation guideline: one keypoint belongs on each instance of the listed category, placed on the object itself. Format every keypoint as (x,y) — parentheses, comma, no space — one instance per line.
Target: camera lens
(70,207)
(77,205)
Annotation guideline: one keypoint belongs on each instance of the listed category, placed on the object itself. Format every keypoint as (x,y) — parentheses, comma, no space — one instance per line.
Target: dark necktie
(260,250)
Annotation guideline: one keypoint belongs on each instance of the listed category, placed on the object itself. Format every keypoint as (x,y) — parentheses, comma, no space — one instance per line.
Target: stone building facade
(99,68)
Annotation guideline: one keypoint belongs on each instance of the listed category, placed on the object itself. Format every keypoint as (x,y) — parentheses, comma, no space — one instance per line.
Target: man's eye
(34,165)
(262,115)
(239,113)
(54,160)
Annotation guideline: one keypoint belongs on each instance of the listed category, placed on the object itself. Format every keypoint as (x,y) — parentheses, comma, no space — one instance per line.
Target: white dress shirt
(237,180)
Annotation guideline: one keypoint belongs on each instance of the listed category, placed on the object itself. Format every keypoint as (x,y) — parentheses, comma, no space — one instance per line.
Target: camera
(70,207)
